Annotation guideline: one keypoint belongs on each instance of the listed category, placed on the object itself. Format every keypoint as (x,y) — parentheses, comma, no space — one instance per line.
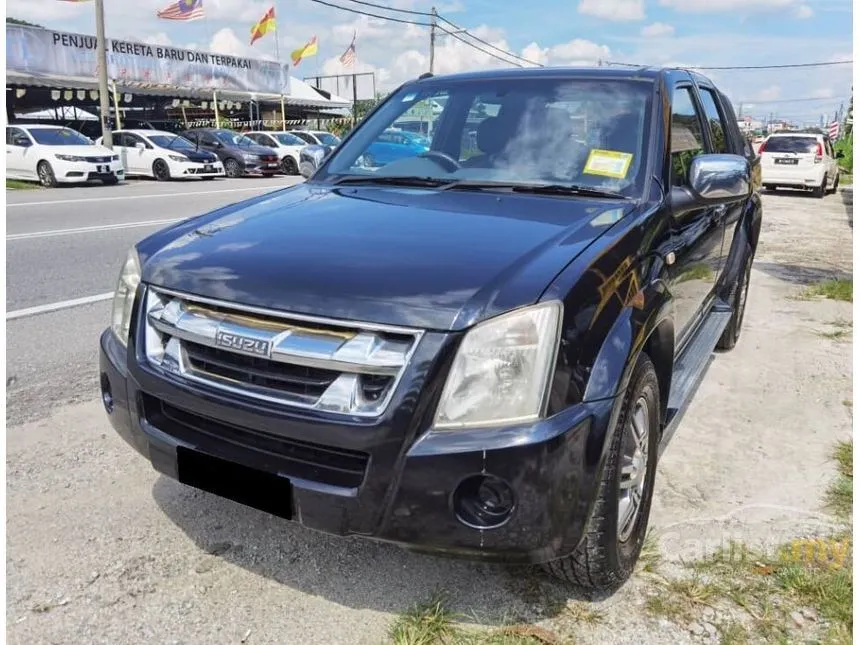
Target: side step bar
(690,368)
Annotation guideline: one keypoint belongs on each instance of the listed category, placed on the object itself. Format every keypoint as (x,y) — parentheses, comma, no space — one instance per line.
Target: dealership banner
(55,54)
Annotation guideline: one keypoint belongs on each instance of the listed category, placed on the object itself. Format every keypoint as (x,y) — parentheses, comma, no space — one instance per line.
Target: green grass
(768,585)
(21,185)
(831,289)
(840,495)
(846,179)
(431,623)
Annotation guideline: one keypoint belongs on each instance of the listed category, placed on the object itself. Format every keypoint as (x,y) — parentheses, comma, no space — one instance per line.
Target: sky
(689,33)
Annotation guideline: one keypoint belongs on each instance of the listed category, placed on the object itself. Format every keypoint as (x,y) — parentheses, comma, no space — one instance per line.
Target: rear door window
(716,123)
(687,138)
(797,145)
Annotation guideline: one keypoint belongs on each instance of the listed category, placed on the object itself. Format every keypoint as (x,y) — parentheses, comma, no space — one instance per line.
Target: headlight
(114,158)
(178,157)
(249,157)
(123,298)
(70,158)
(501,373)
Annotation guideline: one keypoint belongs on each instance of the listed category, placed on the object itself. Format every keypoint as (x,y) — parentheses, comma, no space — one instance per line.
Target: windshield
(287,139)
(573,132)
(230,138)
(171,141)
(59,137)
(327,139)
(304,136)
(791,144)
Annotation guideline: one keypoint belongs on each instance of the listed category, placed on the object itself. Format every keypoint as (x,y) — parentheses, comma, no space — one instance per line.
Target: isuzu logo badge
(240,343)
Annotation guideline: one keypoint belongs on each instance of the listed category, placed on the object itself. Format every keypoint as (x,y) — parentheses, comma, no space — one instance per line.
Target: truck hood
(410,257)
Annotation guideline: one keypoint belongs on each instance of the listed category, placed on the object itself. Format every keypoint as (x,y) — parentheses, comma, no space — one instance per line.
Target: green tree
(15,21)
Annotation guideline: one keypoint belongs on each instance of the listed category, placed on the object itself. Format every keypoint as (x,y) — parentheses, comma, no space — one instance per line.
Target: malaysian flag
(833,130)
(348,57)
(183,10)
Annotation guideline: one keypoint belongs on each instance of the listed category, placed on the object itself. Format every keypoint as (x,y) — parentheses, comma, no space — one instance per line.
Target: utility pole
(101,56)
(432,37)
(740,110)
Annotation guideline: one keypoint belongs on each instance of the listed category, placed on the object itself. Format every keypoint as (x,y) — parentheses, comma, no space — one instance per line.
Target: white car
(799,160)
(164,156)
(287,145)
(52,154)
(317,137)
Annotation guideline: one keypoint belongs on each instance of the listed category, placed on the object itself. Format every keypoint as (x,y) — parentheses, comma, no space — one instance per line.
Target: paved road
(68,244)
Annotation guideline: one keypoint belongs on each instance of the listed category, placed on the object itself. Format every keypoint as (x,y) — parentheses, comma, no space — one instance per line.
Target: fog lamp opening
(483,502)
(107,394)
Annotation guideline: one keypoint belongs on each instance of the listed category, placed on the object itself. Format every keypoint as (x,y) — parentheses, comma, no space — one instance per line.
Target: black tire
(289,166)
(160,170)
(46,175)
(208,178)
(738,300)
(110,181)
(820,191)
(232,168)
(605,559)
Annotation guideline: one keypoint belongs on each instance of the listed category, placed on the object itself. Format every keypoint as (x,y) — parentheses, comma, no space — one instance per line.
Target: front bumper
(262,167)
(386,479)
(72,172)
(192,169)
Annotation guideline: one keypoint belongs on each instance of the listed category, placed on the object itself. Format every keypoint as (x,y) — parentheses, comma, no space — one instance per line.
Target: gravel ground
(101,549)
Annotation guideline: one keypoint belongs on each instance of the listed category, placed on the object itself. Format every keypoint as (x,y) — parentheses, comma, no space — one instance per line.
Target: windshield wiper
(430,182)
(536,189)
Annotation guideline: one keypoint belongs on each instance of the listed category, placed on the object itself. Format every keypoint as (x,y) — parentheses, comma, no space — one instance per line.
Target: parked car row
(53,154)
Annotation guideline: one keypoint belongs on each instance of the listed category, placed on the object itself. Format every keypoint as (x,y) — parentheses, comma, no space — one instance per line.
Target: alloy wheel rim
(634,467)
(160,168)
(43,175)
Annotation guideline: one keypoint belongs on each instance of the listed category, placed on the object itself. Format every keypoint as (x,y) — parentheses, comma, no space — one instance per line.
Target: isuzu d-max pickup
(480,350)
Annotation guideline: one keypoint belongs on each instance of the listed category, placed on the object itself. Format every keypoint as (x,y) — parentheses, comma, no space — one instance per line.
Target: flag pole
(280,70)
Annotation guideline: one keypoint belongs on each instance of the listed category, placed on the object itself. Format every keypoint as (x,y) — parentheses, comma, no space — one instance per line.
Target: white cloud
(716,6)
(769,93)
(823,93)
(578,52)
(159,38)
(613,9)
(803,12)
(657,30)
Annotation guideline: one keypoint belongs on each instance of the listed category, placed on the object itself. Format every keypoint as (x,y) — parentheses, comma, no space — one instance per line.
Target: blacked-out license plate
(786,161)
(258,489)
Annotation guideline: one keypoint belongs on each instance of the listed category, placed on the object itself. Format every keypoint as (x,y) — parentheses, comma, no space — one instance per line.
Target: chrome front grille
(282,358)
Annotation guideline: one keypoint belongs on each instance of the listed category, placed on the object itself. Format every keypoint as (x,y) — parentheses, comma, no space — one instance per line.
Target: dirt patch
(100,549)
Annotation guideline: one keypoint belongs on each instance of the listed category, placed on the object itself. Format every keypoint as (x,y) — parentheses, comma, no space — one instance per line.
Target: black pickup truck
(480,350)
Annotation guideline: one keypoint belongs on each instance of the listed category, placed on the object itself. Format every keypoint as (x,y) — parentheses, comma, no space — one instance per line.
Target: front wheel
(232,168)
(161,170)
(46,175)
(610,549)
(110,181)
(738,300)
(289,166)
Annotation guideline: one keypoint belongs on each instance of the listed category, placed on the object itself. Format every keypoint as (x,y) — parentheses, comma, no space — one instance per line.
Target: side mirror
(713,179)
(140,144)
(23,142)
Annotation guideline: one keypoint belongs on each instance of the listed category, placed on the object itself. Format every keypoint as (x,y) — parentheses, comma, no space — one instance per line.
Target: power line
(473,45)
(372,15)
(741,67)
(811,99)
(492,46)
(395,9)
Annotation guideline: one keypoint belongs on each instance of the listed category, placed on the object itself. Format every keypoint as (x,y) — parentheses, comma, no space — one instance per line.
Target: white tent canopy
(303,94)
(62,112)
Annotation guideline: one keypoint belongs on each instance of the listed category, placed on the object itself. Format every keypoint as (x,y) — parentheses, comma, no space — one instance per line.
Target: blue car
(394,145)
